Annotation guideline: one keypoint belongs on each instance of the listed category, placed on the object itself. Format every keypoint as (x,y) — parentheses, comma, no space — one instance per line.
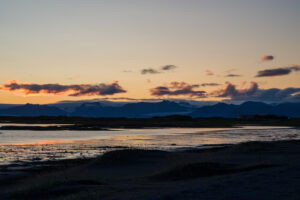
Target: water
(26,146)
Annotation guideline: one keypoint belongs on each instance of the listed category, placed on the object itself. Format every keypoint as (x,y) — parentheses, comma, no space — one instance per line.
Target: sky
(188,49)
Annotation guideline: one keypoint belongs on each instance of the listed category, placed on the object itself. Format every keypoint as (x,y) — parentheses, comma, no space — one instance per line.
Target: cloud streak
(157,71)
(101,89)
(168,67)
(178,88)
(232,75)
(277,71)
(149,71)
(209,84)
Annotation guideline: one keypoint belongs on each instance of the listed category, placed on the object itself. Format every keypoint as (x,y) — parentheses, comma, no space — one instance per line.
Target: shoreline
(97,128)
(177,121)
(156,174)
(22,154)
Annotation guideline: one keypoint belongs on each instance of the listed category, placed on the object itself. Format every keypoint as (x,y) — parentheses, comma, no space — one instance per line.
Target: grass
(84,123)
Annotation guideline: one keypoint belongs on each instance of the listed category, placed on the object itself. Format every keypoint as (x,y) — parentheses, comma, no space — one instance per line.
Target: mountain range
(151,109)
(248,108)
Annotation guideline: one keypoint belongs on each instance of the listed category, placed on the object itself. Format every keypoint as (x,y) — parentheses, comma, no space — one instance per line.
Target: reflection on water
(26,146)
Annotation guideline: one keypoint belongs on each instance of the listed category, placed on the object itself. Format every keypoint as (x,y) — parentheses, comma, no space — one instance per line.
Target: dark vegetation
(83,123)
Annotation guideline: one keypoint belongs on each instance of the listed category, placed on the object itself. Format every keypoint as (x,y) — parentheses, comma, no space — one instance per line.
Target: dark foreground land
(254,170)
(82,123)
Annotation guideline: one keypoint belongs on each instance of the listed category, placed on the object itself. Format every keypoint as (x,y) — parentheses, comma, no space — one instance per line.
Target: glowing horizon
(202,50)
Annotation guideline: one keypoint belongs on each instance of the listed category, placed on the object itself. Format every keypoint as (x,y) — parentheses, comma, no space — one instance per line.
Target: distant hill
(288,109)
(94,109)
(218,110)
(150,109)
(248,108)
(141,109)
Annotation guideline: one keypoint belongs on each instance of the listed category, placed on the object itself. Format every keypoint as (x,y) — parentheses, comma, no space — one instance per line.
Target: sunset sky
(188,49)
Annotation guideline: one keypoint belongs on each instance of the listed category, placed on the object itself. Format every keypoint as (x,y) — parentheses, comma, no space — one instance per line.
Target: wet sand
(254,170)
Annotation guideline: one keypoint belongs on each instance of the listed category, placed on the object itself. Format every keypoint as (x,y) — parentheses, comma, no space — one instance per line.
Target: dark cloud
(253,93)
(209,84)
(232,75)
(101,89)
(231,91)
(267,58)
(209,73)
(149,71)
(178,88)
(168,67)
(277,95)
(277,71)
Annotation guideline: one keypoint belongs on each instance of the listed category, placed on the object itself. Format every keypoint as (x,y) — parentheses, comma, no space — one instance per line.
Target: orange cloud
(267,58)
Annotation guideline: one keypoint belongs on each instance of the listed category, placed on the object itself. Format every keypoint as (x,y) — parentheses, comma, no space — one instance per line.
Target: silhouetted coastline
(178,121)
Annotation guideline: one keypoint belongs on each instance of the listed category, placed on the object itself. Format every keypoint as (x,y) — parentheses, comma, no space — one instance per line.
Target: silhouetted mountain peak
(221,104)
(32,110)
(254,103)
(162,108)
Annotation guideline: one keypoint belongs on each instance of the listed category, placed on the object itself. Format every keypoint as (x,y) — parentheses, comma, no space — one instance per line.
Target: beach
(149,100)
(252,170)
